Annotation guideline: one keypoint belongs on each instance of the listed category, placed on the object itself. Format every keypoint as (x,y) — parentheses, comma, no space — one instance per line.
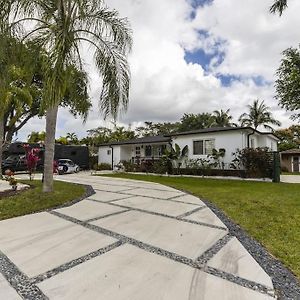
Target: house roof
(221,129)
(291,151)
(167,138)
(143,140)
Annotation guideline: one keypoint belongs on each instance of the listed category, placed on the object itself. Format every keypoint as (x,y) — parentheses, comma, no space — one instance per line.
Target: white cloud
(164,85)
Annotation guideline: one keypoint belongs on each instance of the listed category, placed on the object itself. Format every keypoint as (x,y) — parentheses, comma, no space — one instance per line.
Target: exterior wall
(104,157)
(230,141)
(121,152)
(267,141)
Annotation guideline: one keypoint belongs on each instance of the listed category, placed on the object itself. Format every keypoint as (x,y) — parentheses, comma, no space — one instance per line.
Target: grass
(34,200)
(270,212)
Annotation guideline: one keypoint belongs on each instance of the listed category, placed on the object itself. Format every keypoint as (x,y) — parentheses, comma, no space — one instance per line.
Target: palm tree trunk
(1,143)
(51,117)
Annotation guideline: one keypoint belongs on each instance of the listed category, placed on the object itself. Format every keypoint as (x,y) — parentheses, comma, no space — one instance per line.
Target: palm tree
(259,115)
(278,6)
(72,137)
(63,28)
(222,118)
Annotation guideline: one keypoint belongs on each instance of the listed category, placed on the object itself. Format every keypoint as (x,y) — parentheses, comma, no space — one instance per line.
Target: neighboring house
(200,144)
(290,160)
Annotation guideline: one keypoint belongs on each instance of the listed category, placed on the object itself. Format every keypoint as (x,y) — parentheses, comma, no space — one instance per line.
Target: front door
(296,163)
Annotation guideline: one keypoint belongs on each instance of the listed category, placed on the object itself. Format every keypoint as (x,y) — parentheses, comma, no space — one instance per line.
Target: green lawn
(34,200)
(270,212)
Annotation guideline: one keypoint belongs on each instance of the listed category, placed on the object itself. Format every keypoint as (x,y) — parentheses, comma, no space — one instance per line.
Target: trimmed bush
(102,167)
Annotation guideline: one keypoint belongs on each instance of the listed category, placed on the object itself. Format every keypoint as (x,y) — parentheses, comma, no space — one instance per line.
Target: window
(108,152)
(209,146)
(148,151)
(252,144)
(203,147)
(162,150)
(198,147)
(137,151)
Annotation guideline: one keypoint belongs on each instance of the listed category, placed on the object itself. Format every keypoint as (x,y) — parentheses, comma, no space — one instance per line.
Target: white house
(200,144)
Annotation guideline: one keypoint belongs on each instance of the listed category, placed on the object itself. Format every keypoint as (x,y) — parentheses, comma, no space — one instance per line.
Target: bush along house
(200,143)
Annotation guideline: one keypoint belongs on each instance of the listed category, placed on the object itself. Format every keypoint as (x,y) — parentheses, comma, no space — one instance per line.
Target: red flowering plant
(32,158)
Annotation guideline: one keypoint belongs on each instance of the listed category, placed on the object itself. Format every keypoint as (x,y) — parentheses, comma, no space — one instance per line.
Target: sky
(193,56)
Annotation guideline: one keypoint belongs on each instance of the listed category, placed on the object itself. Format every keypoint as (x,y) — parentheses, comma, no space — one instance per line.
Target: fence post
(276,167)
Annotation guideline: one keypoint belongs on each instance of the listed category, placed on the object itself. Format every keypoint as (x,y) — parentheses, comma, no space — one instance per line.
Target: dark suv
(14,163)
(17,163)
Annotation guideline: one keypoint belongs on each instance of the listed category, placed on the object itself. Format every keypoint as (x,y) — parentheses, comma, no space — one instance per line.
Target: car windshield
(64,161)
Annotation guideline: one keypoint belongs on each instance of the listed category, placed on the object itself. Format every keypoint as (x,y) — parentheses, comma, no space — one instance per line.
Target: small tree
(32,158)
(217,158)
(175,156)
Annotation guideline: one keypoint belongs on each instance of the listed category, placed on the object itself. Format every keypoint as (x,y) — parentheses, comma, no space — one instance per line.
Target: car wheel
(63,171)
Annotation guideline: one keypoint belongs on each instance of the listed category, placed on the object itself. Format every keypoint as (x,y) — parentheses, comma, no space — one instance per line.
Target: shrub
(258,163)
(160,166)
(130,166)
(102,167)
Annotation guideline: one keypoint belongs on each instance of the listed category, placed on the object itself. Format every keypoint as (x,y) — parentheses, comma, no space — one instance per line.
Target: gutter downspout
(248,138)
(112,157)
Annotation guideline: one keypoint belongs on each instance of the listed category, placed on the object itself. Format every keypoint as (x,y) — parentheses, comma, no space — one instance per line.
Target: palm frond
(278,7)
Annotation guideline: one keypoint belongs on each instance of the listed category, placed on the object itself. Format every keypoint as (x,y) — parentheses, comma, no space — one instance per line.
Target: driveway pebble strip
(19,281)
(179,258)
(74,263)
(208,254)
(160,214)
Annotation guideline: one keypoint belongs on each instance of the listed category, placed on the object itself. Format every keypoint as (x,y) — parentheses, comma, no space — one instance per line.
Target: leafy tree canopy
(288,82)
(289,137)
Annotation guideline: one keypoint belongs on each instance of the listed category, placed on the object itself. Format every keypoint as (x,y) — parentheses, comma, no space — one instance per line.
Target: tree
(36,137)
(278,6)
(195,121)
(259,115)
(222,118)
(72,138)
(289,137)
(62,27)
(175,156)
(24,71)
(288,82)
(120,133)
(153,129)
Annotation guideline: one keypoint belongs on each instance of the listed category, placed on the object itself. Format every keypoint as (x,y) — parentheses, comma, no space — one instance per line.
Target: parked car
(67,166)
(14,163)
(17,163)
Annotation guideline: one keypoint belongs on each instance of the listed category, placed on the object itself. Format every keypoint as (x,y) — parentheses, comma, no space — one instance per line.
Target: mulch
(10,193)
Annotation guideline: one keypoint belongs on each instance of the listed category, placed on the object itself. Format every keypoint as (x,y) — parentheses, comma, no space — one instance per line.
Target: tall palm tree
(63,28)
(259,115)
(72,137)
(278,6)
(222,118)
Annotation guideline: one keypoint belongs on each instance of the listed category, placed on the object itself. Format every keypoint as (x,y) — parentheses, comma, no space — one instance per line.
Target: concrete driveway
(290,178)
(131,240)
